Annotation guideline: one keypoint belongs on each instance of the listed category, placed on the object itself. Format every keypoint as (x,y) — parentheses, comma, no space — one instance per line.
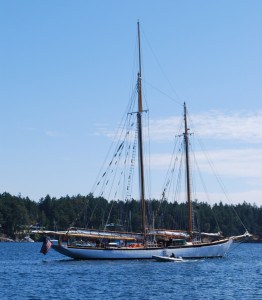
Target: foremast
(188,188)
(140,141)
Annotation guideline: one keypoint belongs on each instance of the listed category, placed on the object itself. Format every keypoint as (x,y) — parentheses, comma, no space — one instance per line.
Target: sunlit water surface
(27,274)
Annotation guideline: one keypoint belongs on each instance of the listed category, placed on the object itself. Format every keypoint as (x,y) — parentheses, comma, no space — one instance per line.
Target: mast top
(139,75)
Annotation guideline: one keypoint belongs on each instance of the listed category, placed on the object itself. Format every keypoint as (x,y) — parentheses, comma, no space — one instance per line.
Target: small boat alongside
(168,258)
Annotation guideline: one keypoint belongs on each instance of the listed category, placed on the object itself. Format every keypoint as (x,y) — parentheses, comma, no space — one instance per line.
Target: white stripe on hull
(192,251)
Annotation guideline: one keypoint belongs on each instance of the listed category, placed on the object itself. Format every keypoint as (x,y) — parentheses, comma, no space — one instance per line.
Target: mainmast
(140,143)
(187,174)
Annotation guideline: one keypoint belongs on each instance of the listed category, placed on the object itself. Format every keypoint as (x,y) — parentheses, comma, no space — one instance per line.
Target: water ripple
(26,274)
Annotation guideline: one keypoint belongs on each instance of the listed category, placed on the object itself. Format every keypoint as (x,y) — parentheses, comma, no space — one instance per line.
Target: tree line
(20,214)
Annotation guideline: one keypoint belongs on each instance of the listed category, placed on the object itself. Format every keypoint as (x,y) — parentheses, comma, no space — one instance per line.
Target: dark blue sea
(27,274)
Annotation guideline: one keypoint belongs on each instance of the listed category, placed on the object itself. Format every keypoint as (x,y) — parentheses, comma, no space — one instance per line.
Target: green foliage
(15,212)
(88,211)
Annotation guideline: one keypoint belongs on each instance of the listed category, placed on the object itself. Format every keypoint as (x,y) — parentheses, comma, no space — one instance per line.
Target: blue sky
(66,72)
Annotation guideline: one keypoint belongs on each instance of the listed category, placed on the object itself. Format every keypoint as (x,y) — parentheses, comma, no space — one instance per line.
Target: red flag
(46,245)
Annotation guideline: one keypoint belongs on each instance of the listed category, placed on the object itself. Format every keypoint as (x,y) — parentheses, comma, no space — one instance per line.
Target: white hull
(207,250)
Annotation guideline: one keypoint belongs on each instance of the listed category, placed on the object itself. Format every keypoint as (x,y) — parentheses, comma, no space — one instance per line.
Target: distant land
(20,215)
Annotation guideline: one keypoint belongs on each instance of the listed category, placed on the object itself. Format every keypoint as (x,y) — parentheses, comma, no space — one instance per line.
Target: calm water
(27,274)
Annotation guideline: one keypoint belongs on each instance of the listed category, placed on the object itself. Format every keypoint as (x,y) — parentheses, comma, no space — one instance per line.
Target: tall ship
(113,243)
